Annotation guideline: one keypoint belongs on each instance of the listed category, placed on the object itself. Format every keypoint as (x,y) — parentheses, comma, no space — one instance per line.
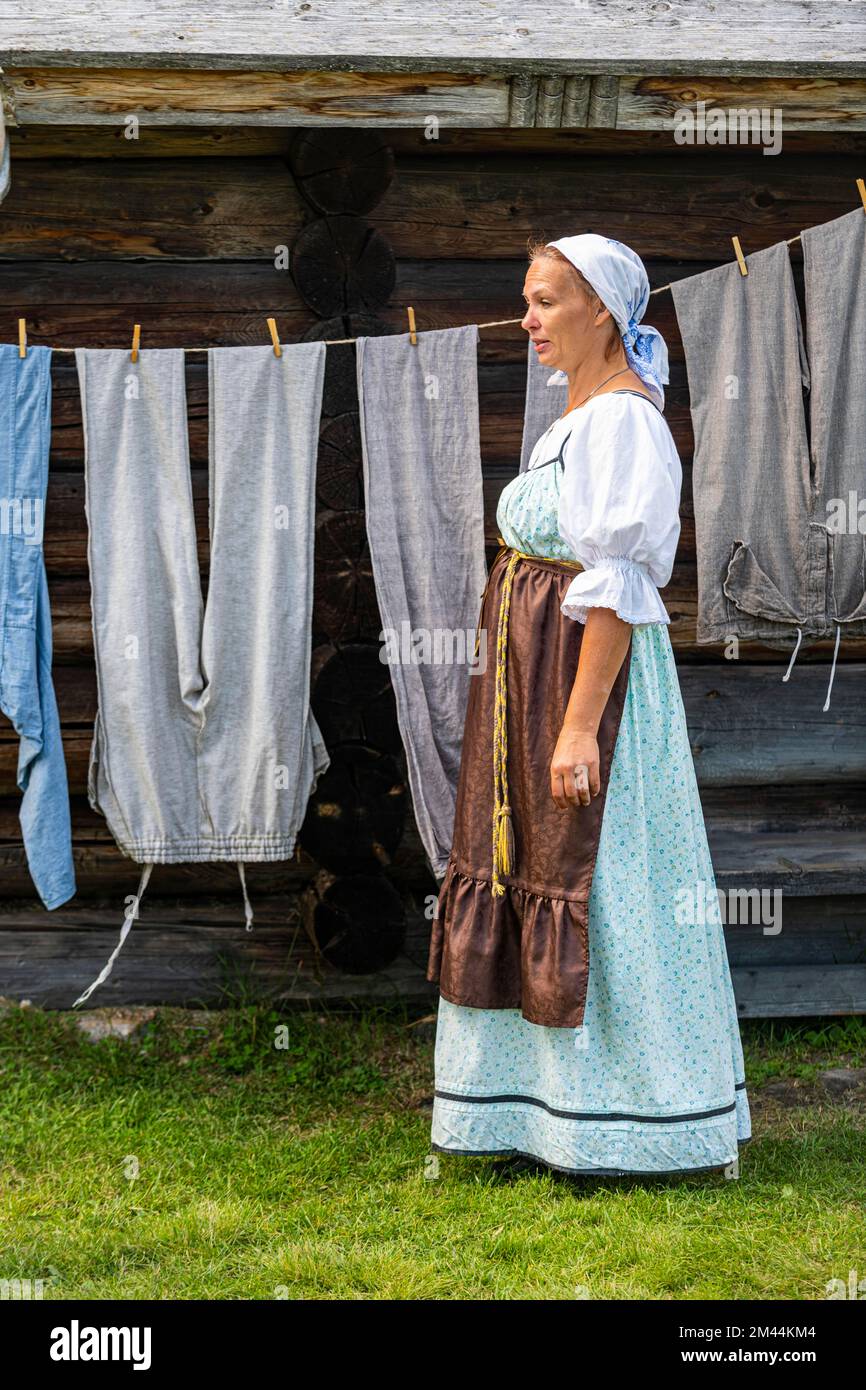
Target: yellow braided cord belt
(503,828)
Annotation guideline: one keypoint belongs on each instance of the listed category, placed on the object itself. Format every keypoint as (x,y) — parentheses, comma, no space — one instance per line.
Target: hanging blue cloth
(26,689)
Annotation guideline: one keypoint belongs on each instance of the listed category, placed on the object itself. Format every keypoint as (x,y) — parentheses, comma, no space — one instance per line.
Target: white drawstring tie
(833,668)
(248,911)
(132,913)
(794,654)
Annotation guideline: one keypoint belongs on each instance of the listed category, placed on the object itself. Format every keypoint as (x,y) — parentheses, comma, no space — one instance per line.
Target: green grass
(202,1162)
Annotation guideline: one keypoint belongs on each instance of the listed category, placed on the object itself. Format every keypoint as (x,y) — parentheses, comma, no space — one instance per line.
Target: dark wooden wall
(178,231)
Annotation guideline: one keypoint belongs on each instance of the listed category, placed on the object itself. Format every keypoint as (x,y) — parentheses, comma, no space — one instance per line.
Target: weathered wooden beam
(140,99)
(609,36)
(136,98)
(803,103)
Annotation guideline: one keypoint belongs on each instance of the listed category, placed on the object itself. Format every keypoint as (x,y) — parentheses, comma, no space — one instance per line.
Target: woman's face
(560,319)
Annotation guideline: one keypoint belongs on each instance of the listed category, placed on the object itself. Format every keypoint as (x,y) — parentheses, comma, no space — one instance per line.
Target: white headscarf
(618,277)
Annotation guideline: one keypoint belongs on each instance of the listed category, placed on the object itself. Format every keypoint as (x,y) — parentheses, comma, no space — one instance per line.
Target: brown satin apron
(511,929)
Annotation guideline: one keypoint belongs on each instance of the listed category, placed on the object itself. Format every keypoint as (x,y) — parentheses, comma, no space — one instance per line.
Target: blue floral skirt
(653,1082)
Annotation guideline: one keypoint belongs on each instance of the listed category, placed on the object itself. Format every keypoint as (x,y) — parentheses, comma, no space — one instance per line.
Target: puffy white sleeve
(619,508)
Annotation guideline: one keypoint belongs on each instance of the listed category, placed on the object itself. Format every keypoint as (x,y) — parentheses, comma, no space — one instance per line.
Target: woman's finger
(581,783)
(558,790)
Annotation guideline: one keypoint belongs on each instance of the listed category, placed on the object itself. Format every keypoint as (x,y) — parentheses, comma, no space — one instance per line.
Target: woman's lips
(541,344)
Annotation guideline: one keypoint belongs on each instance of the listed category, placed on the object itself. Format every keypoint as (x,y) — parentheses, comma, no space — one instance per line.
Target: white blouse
(618,505)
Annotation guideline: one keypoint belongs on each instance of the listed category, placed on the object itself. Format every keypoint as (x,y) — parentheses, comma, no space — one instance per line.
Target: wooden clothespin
(861,189)
(413,336)
(22,337)
(136,339)
(741,260)
(272,325)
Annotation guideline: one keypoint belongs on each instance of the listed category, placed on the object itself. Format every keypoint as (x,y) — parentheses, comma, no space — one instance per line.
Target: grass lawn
(199,1160)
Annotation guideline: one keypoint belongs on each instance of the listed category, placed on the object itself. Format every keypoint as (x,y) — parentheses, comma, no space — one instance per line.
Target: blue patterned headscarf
(618,277)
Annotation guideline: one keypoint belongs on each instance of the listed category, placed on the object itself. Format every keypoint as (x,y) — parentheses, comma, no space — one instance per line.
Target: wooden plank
(787,37)
(188,209)
(73,637)
(575,137)
(186,960)
(803,859)
(819,931)
(230,209)
(799,991)
(109,96)
(647,102)
(747,726)
(178,962)
(806,864)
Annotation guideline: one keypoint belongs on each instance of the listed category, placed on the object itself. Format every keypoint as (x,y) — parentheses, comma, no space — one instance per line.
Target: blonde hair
(539,250)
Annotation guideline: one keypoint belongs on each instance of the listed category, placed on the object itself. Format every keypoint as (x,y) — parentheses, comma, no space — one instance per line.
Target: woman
(586,1017)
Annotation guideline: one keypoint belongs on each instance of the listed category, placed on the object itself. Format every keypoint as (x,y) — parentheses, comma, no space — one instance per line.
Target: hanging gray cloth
(546,397)
(746,366)
(834,267)
(425,523)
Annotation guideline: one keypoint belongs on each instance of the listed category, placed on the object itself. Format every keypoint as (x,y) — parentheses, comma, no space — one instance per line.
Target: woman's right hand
(575,750)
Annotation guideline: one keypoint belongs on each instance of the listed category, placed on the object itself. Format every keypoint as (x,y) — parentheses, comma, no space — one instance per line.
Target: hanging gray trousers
(834,268)
(205,748)
(746,367)
(773,564)
(425,524)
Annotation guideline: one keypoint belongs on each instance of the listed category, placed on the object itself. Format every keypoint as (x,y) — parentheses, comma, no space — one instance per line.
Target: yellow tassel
(505,840)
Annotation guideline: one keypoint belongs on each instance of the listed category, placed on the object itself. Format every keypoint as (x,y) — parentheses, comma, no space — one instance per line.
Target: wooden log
(339,468)
(340,390)
(747,727)
(344,594)
(198,955)
(343,566)
(231,209)
(815,931)
(532,142)
(356,817)
(352,697)
(342,265)
(804,861)
(186,210)
(197,964)
(357,923)
(799,991)
(341,171)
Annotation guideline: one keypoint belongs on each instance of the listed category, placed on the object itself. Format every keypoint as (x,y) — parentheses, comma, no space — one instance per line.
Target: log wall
(179,230)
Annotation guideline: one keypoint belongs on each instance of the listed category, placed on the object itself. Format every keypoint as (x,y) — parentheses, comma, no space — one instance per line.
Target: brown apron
(511,929)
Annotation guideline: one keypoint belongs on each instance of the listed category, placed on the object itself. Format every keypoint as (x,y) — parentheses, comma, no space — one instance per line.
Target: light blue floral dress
(654,1080)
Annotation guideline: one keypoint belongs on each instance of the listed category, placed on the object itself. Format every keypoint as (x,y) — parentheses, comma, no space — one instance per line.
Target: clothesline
(494,323)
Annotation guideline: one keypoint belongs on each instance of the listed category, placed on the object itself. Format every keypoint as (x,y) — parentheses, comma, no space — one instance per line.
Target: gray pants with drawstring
(772,563)
(205,747)
(780,552)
